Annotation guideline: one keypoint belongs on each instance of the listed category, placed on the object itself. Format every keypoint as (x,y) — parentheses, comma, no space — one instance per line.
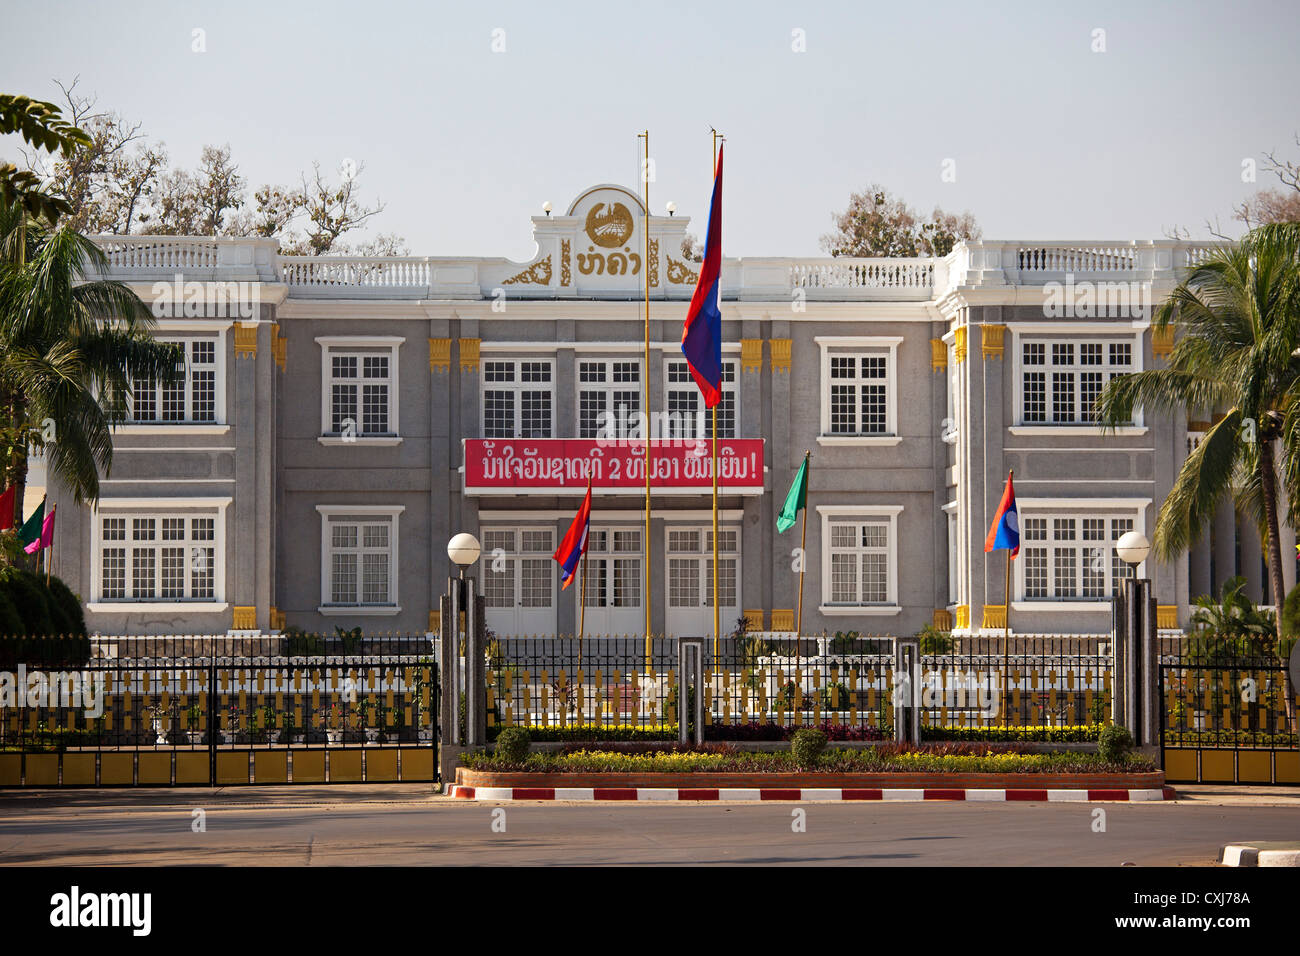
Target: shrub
(298,643)
(1070,733)
(513,744)
(11,622)
(29,597)
(61,594)
(934,641)
(807,746)
(1114,743)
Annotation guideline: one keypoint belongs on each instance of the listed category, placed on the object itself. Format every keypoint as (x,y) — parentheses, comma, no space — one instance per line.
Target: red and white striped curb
(831,794)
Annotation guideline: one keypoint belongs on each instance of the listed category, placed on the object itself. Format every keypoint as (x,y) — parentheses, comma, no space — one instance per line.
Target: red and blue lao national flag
(702,334)
(1005,532)
(569,553)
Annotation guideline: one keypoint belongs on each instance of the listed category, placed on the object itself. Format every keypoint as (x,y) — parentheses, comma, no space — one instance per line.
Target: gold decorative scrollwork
(566,274)
(539,273)
(653,265)
(680,274)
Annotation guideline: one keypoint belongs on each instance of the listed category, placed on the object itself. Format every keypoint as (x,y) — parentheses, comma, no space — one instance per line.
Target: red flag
(7,508)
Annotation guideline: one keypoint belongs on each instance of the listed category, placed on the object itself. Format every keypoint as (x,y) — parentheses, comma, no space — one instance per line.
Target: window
(519,580)
(859,559)
(690,567)
(1072,557)
(359,389)
(859,552)
(1060,380)
(859,389)
(359,558)
(614,568)
(158,557)
(518,398)
(609,398)
(194,397)
(687,416)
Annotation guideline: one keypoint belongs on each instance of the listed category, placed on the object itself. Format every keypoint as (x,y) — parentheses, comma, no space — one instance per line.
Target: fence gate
(1227,718)
(363,712)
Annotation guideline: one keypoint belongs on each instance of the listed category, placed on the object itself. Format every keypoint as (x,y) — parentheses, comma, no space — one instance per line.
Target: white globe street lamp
(1133,547)
(464,550)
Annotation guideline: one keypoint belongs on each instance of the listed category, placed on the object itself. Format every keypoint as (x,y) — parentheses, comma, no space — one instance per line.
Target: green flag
(31,529)
(795,501)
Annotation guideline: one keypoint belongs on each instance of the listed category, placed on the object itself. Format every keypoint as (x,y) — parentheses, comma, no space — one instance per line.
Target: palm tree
(1239,311)
(70,345)
(1231,625)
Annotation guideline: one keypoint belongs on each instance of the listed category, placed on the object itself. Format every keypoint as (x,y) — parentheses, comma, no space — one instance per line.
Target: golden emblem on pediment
(609,226)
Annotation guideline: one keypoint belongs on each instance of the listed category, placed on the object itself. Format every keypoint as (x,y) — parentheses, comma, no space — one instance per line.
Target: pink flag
(46,540)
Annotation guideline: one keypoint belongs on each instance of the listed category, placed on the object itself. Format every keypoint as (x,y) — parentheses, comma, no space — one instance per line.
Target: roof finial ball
(546,207)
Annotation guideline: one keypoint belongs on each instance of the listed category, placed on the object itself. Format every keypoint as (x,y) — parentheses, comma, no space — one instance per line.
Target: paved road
(342,826)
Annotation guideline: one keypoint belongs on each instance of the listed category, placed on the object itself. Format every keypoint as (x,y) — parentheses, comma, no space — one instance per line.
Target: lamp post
(1135,700)
(463,550)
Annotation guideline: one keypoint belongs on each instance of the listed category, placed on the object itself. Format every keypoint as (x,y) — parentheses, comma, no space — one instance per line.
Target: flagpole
(645,378)
(1006,624)
(803,562)
(582,588)
(717,608)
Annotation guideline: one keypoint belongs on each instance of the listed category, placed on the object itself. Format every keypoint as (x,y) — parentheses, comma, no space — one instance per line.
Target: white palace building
(340,418)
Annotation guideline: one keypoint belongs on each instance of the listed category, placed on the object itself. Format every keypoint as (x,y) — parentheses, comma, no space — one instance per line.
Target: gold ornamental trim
(751,354)
(754,618)
(938,355)
(435,622)
(469,355)
(277,619)
(780,349)
(653,264)
(1162,341)
(279,347)
(609,226)
(783,620)
(995,616)
(959,344)
(245,341)
(539,273)
(1167,617)
(566,271)
(991,340)
(681,274)
(962,616)
(439,355)
(244,619)
(942,619)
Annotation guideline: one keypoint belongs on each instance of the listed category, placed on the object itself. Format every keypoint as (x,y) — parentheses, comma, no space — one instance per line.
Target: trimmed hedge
(948,758)
(1070,734)
(632,733)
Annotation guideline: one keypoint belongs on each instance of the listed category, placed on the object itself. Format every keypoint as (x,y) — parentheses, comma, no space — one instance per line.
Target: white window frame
(609,555)
(840,346)
(516,387)
(393,514)
(608,388)
(517,556)
(1077,509)
(361,343)
(831,514)
(705,555)
(131,508)
(731,388)
(1074,334)
(178,332)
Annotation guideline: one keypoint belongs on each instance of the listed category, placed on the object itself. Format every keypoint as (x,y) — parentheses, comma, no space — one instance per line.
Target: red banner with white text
(561,465)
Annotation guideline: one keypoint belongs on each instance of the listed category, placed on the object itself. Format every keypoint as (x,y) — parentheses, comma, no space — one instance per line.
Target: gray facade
(322,450)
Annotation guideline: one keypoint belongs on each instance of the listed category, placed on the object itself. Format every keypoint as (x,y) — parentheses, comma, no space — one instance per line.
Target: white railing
(154,253)
(355,271)
(1075,259)
(862,274)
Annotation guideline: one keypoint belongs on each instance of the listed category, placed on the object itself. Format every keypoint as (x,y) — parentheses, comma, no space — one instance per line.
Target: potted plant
(156,714)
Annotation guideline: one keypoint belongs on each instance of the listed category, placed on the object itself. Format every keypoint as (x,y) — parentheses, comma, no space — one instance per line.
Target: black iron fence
(763,689)
(194,709)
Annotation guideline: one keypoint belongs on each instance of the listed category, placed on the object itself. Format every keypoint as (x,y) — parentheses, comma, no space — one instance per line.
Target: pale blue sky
(1049,138)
